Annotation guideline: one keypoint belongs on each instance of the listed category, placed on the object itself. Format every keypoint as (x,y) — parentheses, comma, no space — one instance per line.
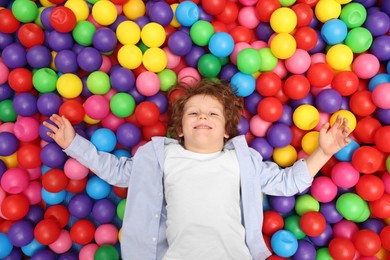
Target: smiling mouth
(202,127)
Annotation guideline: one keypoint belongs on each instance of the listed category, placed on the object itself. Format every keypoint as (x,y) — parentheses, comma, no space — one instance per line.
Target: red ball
(382,139)
(73,111)
(77,186)
(312,223)
(265,8)
(367,242)
(366,128)
(345,82)
(296,87)
(297,135)
(367,159)
(58,212)
(361,103)
(20,80)
(306,38)
(272,222)
(310,3)
(55,180)
(381,207)
(28,156)
(63,19)
(229,13)
(47,231)
(320,75)
(341,248)
(219,26)
(268,84)
(15,206)
(304,14)
(214,7)
(241,34)
(158,129)
(270,109)
(82,232)
(120,192)
(30,34)
(370,187)
(147,113)
(8,23)
(385,237)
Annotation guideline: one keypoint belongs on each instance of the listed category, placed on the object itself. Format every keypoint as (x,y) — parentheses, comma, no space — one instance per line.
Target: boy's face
(203,124)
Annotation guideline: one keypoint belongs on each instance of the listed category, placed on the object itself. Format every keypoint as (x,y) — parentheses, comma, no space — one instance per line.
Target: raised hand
(62,130)
(332,139)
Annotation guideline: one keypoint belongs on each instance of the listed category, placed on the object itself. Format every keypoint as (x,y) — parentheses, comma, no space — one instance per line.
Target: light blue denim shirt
(144,224)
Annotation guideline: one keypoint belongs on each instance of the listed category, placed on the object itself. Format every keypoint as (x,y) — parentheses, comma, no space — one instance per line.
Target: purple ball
(330,212)
(142,21)
(228,71)
(16,254)
(160,12)
(180,43)
(305,251)
(373,224)
(6,92)
(282,204)
(5,39)
(128,135)
(53,156)
(39,56)
(104,40)
(80,205)
(320,44)
(14,56)
(367,3)
(203,15)
(383,115)
(44,254)
(77,48)
(43,132)
(160,100)
(309,99)
(68,256)
(381,47)
(385,7)
(378,23)
(264,31)
(66,61)
(45,18)
(9,144)
(85,92)
(122,79)
(104,211)
(138,97)
(25,104)
(243,126)
(261,145)
(34,214)
(59,41)
(286,117)
(119,19)
(252,101)
(3,168)
(324,238)
(194,55)
(328,101)
(89,59)
(21,233)
(344,103)
(279,135)
(49,103)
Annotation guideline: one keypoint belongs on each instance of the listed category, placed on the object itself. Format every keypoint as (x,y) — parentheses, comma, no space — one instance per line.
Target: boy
(198,195)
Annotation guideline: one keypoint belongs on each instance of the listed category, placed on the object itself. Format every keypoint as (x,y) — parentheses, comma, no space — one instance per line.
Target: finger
(50,126)
(324,128)
(56,119)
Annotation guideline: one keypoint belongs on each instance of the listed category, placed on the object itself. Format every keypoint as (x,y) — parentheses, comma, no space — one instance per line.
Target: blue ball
(53,198)
(5,245)
(284,243)
(345,154)
(33,247)
(334,31)
(378,79)
(243,84)
(187,13)
(104,140)
(221,44)
(97,188)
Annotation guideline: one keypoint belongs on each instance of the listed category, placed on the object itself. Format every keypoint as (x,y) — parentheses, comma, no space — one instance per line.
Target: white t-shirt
(203,206)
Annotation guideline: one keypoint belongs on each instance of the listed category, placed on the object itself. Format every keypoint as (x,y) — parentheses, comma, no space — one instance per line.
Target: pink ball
(97,107)
(112,122)
(323,189)
(239,46)
(75,170)
(106,64)
(386,181)
(366,65)
(33,192)
(381,95)
(258,126)
(280,69)
(345,228)
(4,71)
(110,94)
(302,154)
(318,58)
(257,45)
(173,60)
(26,129)
(62,244)
(34,173)
(106,234)
(247,17)
(15,180)
(148,83)
(248,2)
(7,127)
(188,75)
(88,252)
(299,62)
(344,175)
(324,118)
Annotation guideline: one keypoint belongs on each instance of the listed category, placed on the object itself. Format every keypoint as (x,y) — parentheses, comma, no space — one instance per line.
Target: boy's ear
(226,136)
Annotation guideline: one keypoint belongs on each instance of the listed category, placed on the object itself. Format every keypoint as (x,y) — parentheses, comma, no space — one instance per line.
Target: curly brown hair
(181,92)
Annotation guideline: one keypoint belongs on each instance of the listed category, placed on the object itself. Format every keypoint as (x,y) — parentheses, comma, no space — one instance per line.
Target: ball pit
(296,64)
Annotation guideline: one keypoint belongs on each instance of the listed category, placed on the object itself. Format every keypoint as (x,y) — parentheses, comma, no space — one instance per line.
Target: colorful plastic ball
(25,11)
(104,211)
(180,43)
(366,128)
(304,14)
(221,44)
(147,113)
(367,159)
(284,243)
(263,147)
(273,222)
(80,205)
(381,138)
(52,155)
(187,13)
(106,234)
(366,65)
(15,180)
(54,180)
(148,83)
(104,39)
(47,231)
(160,12)
(248,61)
(334,31)
(353,15)
(327,9)
(89,59)
(328,101)
(97,188)
(5,246)
(82,232)
(62,244)
(104,13)
(33,248)
(66,61)
(247,17)
(25,104)
(306,117)
(268,84)
(229,13)
(26,129)
(305,203)
(283,45)
(296,87)
(378,23)
(282,204)
(30,35)
(339,56)
(106,252)
(283,20)
(97,107)
(9,143)
(14,55)
(299,62)
(155,59)
(201,32)
(122,79)
(291,223)
(21,233)
(330,212)
(380,48)
(361,103)
(370,187)
(305,251)
(312,223)
(359,40)
(209,65)
(352,207)
(367,242)
(380,207)
(153,34)
(344,114)
(345,82)
(341,248)
(126,38)
(268,61)
(344,175)
(20,80)
(69,85)
(9,23)
(279,135)
(323,189)
(130,50)
(380,95)
(62,19)
(104,140)
(285,156)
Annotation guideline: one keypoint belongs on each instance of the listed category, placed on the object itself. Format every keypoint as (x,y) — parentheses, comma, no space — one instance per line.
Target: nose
(202,115)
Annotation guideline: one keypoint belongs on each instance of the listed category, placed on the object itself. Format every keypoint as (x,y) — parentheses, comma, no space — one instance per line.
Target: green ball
(201,32)
(106,252)
(83,33)
(353,15)
(305,203)
(98,82)
(37,20)
(364,215)
(7,112)
(388,163)
(359,39)
(25,11)
(268,60)
(45,80)
(209,66)
(122,104)
(248,61)
(287,2)
(167,79)
(224,60)
(351,206)
(323,254)
(142,46)
(120,209)
(291,223)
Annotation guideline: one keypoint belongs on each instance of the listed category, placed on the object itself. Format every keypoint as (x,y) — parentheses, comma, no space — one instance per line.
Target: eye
(213,114)
(192,113)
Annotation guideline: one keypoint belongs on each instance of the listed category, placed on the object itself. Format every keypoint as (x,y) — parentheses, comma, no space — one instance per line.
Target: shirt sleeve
(115,171)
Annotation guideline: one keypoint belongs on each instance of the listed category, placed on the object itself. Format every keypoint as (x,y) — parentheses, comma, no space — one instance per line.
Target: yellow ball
(153,34)
(283,20)
(46,3)
(123,32)
(283,45)
(130,56)
(11,161)
(285,156)
(306,117)
(52,64)
(309,142)
(104,12)
(339,56)
(79,8)
(133,9)
(174,21)
(327,9)
(69,85)
(343,2)
(89,120)
(344,114)
(155,59)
